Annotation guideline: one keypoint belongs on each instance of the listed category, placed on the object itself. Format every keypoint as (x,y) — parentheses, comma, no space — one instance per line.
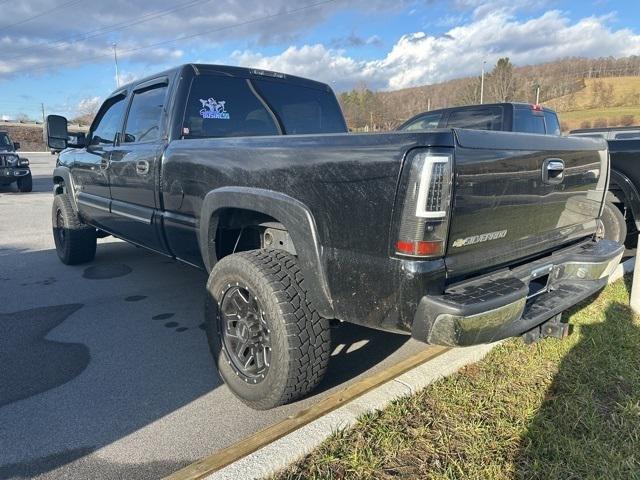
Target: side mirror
(57,134)
(16,145)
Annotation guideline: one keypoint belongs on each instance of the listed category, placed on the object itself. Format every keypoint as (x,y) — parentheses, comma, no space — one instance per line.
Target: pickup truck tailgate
(519,195)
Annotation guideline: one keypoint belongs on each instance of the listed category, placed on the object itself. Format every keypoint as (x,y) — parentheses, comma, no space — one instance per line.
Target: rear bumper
(512,302)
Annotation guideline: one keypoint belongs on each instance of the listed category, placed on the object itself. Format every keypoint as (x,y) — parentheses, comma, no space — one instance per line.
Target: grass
(566,409)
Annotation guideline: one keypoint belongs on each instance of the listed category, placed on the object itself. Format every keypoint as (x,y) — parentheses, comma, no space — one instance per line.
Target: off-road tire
(78,242)
(615,226)
(299,336)
(25,184)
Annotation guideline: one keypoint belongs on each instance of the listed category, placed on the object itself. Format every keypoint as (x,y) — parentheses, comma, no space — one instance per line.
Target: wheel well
(239,230)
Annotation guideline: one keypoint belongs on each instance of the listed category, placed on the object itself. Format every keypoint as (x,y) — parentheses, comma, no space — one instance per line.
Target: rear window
(551,121)
(526,122)
(225,107)
(429,120)
(476,118)
(302,109)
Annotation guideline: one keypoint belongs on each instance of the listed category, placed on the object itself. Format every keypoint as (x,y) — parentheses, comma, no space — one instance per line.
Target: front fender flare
(65,174)
(293,214)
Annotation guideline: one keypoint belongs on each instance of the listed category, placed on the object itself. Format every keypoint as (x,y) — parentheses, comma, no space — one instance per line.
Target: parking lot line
(226,456)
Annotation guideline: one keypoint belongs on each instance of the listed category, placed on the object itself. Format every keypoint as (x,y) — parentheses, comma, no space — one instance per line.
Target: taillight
(425,213)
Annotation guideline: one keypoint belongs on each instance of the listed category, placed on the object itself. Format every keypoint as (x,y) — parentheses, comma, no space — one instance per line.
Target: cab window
(429,120)
(225,107)
(108,122)
(525,121)
(486,118)
(143,121)
(552,124)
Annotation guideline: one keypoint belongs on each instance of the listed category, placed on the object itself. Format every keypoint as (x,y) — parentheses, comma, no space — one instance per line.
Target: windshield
(5,141)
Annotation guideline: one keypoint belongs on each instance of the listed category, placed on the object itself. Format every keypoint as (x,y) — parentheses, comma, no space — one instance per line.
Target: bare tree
(501,80)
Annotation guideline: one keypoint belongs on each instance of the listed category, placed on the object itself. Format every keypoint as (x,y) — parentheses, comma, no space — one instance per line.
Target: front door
(134,169)
(91,164)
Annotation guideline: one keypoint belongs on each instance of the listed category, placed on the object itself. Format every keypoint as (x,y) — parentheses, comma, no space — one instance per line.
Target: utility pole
(43,118)
(482,83)
(537,87)
(115,58)
(429,104)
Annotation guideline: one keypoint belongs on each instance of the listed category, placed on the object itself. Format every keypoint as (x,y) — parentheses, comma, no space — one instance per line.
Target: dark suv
(507,117)
(12,167)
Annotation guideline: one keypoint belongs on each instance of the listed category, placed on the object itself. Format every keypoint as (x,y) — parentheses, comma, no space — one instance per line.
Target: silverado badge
(483,237)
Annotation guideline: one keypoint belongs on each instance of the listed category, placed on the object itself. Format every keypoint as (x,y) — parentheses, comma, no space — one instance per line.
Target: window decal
(214,109)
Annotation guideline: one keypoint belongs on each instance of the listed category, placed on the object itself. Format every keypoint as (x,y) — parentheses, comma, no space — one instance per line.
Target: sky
(60,54)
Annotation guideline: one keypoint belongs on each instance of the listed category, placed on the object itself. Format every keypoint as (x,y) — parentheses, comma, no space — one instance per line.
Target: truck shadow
(98,352)
(585,427)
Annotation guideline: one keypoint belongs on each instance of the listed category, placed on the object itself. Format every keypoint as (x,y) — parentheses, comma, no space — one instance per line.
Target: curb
(283,452)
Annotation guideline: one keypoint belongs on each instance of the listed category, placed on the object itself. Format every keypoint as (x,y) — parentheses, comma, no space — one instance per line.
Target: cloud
(88,105)
(353,40)
(419,58)
(53,41)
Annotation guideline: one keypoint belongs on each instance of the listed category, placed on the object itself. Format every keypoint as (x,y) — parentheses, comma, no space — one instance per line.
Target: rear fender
(291,213)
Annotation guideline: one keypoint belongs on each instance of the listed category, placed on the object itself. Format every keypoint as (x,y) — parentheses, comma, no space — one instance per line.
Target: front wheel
(25,184)
(270,345)
(615,226)
(75,241)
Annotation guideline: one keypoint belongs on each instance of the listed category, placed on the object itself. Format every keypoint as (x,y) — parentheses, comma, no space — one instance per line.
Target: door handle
(553,170)
(142,167)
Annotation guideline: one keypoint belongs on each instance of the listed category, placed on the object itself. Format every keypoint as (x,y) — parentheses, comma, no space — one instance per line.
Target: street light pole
(115,58)
(482,83)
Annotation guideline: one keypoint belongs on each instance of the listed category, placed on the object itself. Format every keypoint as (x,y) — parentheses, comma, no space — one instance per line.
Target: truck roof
(228,70)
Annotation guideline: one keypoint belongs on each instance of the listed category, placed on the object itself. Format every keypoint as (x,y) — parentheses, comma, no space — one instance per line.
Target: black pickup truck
(13,168)
(456,237)
(504,117)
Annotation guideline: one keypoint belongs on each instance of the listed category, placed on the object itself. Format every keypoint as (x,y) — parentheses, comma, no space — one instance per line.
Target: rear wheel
(25,184)
(615,226)
(270,345)
(75,241)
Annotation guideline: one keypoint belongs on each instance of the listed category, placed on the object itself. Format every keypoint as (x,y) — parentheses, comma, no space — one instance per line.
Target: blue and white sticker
(214,109)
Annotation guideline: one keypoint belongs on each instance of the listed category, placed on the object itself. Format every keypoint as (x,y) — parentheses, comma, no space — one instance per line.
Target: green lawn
(557,409)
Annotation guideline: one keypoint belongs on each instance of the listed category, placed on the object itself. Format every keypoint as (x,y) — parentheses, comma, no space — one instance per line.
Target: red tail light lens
(425,213)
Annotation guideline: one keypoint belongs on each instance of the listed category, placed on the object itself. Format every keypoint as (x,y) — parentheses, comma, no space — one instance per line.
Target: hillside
(602,102)
(30,135)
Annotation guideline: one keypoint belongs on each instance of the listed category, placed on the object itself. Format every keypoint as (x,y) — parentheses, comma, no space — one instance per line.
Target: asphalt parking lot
(104,369)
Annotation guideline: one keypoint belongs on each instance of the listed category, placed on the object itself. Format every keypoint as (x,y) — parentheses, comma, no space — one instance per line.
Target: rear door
(134,167)
(519,195)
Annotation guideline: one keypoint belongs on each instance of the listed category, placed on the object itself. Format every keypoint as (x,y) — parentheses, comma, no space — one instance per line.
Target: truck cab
(505,117)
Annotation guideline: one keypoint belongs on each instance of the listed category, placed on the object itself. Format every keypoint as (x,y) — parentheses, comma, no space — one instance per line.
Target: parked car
(456,237)
(610,133)
(506,117)
(13,168)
